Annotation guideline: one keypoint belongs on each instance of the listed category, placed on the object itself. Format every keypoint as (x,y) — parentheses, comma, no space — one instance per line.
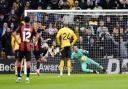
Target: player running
(80,55)
(64,37)
(26,33)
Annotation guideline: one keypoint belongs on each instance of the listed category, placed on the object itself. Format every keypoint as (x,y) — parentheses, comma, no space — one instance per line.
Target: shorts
(66,52)
(25,54)
(17,54)
(37,55)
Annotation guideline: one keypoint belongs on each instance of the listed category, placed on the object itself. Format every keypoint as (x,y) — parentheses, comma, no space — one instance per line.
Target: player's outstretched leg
(90,61)
(86,70)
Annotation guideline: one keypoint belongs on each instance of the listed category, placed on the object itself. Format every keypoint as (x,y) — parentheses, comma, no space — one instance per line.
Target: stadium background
(93,32)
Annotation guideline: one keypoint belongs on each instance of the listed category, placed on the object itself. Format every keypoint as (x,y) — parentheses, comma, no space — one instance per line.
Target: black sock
(38,65)
(28,72)
(18,70)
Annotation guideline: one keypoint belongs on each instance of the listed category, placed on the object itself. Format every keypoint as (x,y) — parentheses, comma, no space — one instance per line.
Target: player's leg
(19,67)
(37,57)
(69,65)
(45,50)
(18,62)
(28,59)
(84,68)
(68,55)
(61,66)
(43,54)
(90,61)
(62,62)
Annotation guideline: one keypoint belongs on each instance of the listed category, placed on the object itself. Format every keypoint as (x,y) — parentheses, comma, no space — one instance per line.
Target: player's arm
(15,33)
(85,52)
(58,37)
(72,56)
(74,38)
(45,41)
(12,42)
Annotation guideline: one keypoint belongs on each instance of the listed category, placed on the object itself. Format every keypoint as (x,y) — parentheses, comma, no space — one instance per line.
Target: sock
(61,65)
(69,65)
(21,68)
(28,70)
(18,70)
(38,65)
(15,69)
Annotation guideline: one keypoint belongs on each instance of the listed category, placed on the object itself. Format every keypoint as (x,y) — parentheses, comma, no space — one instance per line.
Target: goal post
(102,32)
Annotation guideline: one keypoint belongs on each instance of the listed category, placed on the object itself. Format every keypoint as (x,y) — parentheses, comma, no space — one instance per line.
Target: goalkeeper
(80,55)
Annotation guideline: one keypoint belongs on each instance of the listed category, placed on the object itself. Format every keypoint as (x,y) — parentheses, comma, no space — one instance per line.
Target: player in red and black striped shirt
(40,49)
(26,33)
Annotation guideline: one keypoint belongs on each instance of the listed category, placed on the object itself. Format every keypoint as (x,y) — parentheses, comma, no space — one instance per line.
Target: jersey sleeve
(58,37)
(74,38)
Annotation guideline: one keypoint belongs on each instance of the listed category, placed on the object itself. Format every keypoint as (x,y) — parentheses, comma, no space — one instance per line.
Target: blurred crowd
(101,35)
(19,5)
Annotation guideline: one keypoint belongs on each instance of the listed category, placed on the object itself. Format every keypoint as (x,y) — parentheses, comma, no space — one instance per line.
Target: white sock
(68,74)
(61,73)
(19,77)
(27,78)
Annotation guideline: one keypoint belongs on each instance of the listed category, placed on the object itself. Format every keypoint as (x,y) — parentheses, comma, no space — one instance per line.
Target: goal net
(104,33)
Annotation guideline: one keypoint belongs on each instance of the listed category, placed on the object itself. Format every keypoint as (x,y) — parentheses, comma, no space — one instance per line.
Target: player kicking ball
(80,55)
(40,50)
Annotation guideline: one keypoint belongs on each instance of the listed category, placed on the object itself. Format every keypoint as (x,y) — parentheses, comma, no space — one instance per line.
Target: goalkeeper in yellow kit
(64,37)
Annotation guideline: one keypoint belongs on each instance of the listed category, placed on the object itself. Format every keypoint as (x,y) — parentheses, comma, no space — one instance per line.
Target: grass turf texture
(75,81)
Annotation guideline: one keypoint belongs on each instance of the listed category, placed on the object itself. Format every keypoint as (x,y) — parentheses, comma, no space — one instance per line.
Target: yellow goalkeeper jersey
(64,37)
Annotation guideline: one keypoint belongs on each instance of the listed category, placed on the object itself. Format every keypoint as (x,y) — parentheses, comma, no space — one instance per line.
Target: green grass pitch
(75,81)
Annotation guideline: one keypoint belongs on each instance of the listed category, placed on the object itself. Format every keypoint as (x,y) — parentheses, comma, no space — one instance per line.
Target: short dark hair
(26,19)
